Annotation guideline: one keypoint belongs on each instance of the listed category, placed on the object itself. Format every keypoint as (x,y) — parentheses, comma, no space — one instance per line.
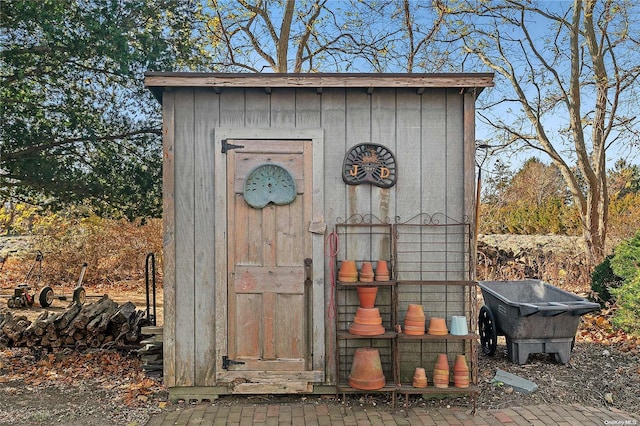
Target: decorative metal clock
(269,183)
(370,163)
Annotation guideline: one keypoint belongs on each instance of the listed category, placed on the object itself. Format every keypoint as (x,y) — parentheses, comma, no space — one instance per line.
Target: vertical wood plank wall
(431,135)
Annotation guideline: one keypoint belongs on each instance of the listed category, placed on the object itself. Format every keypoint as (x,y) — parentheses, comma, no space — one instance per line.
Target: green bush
(626,260)
(626,264)
(603,279)
(627,316)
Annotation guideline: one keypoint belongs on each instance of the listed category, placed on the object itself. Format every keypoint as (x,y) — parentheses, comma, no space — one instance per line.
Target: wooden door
(268,308)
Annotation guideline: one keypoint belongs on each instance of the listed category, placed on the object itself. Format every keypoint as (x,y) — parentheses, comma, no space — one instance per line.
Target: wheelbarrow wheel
(79,295)
(488,332)
(46,297)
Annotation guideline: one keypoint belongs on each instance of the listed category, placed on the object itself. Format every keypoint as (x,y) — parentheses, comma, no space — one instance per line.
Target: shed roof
(158,81)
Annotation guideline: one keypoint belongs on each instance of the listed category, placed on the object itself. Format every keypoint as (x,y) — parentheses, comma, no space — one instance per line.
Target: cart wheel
(46,297)
(488,332)
(10,302)
(79,295)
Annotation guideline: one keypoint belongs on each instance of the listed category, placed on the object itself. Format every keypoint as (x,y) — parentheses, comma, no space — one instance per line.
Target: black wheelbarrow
(534,317)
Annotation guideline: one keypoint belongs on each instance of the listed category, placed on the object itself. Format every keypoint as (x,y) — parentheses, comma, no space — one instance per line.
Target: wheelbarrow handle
(84,269)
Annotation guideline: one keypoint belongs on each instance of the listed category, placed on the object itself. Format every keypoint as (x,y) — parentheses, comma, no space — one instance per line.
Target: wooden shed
(263,175)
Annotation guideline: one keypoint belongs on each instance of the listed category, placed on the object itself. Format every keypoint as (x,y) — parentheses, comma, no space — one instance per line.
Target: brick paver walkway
(334,414)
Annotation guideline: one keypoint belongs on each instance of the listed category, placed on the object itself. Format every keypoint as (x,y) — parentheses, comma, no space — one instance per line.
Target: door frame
(317,226)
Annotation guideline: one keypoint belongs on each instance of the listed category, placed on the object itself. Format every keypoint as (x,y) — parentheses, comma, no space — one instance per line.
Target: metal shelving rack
(431,263)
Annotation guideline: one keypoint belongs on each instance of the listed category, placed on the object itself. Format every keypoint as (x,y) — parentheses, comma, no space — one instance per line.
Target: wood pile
(95,325)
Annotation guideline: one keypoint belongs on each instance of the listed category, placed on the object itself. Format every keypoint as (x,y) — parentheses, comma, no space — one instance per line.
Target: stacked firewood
(95,325)
(151,352)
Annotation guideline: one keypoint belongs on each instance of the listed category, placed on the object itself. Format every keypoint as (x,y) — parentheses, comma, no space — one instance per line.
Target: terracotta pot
(415,310)
(460,372)
(413,330)
(438,327)
(366,370)
(367,329)
(420,378)
(367,296)
(348,272)
(367,322)
(440,381)
(382,271)
(441,372)
(368,316)
(414,323)
(366,272)
(442,362)
(416,320)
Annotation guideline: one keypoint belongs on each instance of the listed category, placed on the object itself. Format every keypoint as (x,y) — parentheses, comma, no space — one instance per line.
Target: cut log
(124,314)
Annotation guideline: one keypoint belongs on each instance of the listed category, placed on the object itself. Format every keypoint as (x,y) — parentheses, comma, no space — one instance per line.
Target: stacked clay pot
(368,321)
(460,372)
(348,272)
(382,271)
(441,372)
(438,327)
(414,320)
(420,378)
(366,370)
(366,273)
(367,296)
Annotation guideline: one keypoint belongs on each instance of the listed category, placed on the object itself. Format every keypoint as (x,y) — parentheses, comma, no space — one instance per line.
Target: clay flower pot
(382,271)
(367,296)
(348,272)
(438,327)
(441,372)
(414,321)
(366,272)
(367,322)
(415,310)
(366,370)
(420,378)
(460,372)
(368,316)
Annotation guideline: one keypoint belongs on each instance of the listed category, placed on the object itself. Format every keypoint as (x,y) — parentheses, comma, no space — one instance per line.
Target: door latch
(307,271)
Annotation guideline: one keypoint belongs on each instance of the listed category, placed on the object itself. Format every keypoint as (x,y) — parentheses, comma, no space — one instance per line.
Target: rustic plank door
(268,319)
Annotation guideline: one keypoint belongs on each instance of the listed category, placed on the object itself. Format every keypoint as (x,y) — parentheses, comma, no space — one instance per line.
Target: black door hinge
(226,146)
(226,362)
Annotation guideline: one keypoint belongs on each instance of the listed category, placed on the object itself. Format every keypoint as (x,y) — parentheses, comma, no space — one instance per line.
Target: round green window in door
(269,183)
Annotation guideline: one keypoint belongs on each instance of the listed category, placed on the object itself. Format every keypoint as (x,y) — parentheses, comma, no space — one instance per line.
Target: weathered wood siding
(430,133)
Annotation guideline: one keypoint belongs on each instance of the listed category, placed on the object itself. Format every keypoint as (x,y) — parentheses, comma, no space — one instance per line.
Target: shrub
(627,316)
(115,250)
(603,279)
(626,260)
(626,264)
